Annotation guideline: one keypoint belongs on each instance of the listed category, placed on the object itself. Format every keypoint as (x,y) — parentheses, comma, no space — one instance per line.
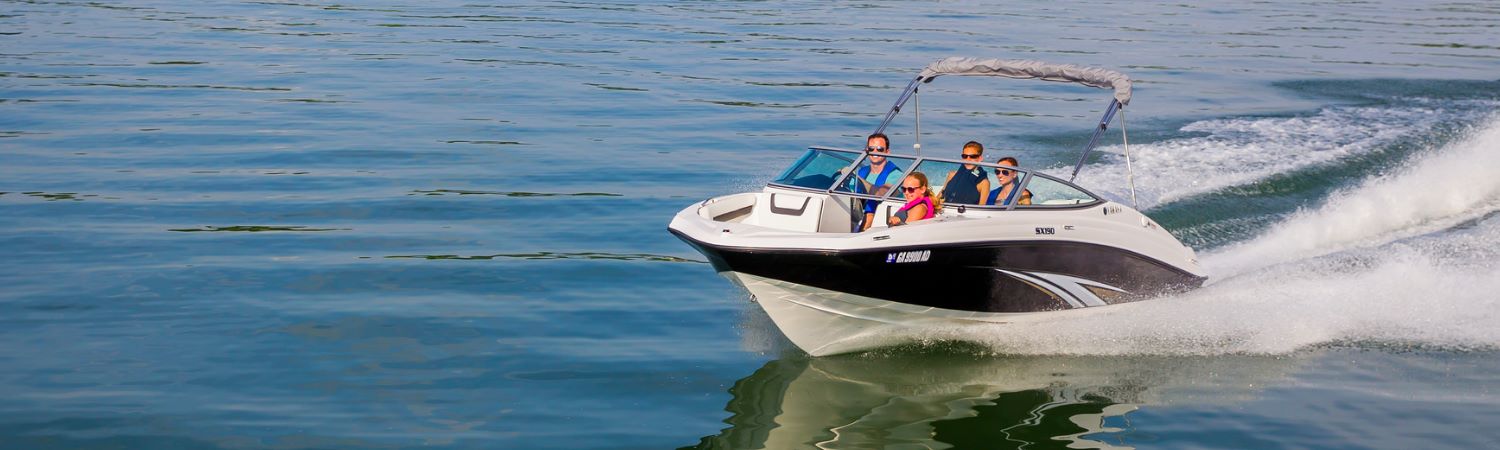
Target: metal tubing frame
(911,88)
(1109,115)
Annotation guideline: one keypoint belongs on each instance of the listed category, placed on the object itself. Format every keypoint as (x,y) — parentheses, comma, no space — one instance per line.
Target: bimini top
(1023,68)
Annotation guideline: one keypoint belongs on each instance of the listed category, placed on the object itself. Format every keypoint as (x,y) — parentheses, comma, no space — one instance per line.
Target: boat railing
(835,171)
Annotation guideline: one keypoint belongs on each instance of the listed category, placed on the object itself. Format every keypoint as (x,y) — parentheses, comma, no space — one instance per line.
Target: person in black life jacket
(968,184)
(877,177)
(1007,192)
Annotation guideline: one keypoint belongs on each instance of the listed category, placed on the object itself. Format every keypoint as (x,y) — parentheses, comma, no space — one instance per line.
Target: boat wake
(1237,151)
(1439,189)
(1408,259)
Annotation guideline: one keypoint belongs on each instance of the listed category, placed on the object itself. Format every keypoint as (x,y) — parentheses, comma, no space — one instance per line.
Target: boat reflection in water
(969,401)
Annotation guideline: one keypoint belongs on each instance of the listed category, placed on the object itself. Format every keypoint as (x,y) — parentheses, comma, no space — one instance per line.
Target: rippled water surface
(442,224)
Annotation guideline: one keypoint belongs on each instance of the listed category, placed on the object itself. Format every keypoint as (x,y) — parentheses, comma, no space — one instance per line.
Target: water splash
(1438,190)
(1408,260)
(1237,151)
(1404,297)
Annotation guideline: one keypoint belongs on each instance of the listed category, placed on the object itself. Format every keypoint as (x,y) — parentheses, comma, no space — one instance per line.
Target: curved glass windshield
(958,182)
(940,174)
(1049,192)
(985,184)
(878,174)
(817,169)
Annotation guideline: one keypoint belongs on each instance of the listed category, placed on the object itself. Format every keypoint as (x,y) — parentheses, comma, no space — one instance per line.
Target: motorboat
(833,286)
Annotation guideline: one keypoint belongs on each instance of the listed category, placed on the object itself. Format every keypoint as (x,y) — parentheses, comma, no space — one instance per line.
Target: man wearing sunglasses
(876,177)
(968,184)
(1010,190)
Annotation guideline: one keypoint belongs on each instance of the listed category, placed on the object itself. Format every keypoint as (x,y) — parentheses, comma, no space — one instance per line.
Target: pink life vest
(921,200)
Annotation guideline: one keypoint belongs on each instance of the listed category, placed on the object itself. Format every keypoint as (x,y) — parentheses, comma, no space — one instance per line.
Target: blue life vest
(864,172)
(1014,192)
(964,186)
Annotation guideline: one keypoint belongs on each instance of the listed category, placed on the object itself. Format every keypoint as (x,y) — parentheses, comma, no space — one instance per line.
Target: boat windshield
(817,169)
(877,175)
(1048,191)
(983,186)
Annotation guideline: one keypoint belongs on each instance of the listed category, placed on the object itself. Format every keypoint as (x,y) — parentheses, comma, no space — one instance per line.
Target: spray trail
(1401,297)
(1440,189)
(1238,151)
(1408,259)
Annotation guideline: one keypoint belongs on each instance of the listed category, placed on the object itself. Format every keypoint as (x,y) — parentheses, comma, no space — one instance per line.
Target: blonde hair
(937,202)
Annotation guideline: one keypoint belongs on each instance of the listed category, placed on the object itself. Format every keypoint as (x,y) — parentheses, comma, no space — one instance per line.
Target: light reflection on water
(314,224)
(943,401)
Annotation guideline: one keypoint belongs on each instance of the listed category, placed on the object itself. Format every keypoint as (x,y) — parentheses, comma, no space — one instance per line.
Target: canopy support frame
(911,88)
(1120,83)
(1109,115)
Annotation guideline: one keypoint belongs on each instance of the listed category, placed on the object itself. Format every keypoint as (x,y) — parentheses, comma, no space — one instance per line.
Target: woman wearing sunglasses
(968,184)
(1010,189)
(921,204)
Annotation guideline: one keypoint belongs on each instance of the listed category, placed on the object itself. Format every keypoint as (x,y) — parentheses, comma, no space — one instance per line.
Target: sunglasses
(971,155)
(875,148)
(1005,172)
(910,189)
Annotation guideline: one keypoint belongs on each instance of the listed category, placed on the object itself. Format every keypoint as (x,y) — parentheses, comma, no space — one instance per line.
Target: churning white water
(1439,189)
(1404,259)
(1236,151)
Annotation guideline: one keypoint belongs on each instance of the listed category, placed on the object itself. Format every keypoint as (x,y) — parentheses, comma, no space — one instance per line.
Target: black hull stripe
(960,277)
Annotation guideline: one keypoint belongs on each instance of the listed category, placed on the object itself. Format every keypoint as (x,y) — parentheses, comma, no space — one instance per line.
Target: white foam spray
(1238,151)
(1402,297)
(1458,182)
(1390,262)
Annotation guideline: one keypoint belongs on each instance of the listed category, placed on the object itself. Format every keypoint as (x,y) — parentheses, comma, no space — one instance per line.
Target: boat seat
(791,212)
(883,214)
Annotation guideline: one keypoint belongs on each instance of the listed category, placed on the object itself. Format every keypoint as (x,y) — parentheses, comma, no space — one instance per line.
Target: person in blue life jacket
(1010,189)
(877,177)
(968,184)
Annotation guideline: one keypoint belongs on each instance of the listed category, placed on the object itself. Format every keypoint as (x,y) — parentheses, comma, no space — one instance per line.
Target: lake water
(314,224)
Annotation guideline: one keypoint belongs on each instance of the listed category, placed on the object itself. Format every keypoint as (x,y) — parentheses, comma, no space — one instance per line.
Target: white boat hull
(823,322)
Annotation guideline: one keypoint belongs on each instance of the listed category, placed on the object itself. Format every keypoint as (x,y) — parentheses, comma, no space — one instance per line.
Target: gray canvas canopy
(1022,68)
(1026,69)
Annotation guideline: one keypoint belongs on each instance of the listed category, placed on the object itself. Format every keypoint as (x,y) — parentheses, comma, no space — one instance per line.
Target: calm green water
(442,224)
